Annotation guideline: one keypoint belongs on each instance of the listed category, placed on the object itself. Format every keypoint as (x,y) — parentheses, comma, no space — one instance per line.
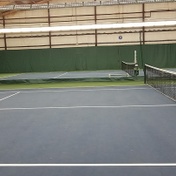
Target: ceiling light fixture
(88,27)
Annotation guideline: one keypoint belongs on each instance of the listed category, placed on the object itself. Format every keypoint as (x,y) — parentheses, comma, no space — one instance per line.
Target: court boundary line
(9,96)
(74,87)
(9,91)
(88,107)
(88,90)
(60,75)
(93,165)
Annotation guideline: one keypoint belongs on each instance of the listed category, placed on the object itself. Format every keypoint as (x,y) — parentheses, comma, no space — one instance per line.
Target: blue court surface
(66,75)
(98,131)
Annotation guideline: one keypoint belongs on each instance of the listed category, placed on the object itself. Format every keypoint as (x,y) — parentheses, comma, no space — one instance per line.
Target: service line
(93,165)
(90,107)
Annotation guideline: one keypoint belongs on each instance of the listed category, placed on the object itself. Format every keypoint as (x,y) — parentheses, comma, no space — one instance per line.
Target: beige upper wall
(84,16)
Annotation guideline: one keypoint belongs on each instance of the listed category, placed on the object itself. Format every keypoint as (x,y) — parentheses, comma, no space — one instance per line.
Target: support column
(49,24)
(143,20)
(5,39)
(95,18)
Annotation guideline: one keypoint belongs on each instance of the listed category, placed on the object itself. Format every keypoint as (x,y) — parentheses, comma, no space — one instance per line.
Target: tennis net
(130,68)
(160,79)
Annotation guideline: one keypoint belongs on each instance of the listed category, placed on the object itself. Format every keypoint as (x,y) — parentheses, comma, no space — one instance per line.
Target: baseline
(93,165)
(92,107)
(84,90)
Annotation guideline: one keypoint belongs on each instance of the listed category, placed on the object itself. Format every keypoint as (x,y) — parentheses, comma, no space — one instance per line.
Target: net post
(135,56)
(122,65)
(145,75)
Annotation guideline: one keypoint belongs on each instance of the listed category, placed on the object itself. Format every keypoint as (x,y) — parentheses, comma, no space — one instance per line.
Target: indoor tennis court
(87,131)
(72,75)
(87,87)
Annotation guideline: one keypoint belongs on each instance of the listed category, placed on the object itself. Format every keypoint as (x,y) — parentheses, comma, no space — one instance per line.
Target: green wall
(88,58)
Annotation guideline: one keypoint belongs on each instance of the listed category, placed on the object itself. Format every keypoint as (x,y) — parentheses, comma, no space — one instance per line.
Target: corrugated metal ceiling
(18,2)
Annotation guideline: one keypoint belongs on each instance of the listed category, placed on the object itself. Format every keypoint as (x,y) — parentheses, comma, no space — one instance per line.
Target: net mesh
(130,68)
(162,80)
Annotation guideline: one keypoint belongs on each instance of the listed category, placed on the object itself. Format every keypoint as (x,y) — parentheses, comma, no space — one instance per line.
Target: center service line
(94,165)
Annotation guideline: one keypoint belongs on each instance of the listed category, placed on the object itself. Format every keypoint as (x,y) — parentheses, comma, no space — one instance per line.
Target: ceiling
(16,5)
(18,2)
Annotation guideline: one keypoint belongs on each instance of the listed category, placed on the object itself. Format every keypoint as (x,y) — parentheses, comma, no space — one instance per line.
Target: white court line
(94,165)
(88,107)
(74,87)
(9,96)
(5,92)
(83,90)
(60,75)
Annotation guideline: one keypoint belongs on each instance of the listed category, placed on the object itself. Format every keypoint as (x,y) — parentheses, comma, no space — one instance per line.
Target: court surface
(103,131)
(66,75)
(71,75)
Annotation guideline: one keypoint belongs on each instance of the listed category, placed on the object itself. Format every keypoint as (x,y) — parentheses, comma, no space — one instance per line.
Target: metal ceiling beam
(23,3)
(77,4)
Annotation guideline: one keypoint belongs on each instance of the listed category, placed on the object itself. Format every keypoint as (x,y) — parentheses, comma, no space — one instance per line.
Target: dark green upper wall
(88,58)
